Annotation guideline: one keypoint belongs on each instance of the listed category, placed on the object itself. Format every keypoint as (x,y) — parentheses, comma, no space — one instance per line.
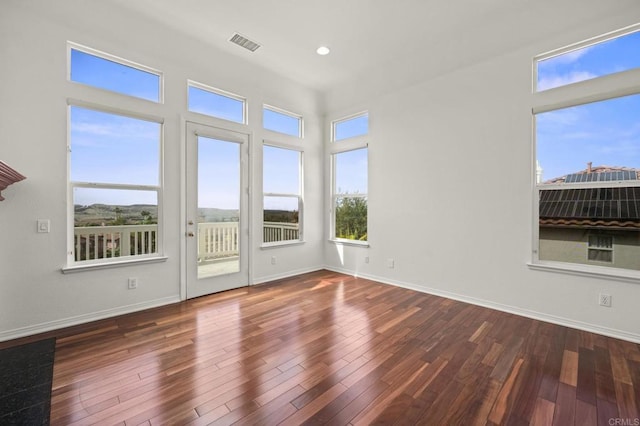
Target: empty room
(332,212)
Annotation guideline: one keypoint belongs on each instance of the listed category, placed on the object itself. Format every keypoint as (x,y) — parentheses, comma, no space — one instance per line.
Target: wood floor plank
(327,348)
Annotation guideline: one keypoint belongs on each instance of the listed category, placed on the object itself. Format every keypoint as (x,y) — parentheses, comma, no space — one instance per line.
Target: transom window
(281,121)
(350,127)
(605,55)
(282,194)
(587,146)
(104,71)
(216,103)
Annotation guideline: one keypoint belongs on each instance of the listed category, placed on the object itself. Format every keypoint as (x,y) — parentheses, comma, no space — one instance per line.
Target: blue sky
(604,133)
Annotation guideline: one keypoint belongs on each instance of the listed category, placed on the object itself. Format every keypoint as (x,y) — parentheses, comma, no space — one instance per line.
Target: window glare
(215,105)
(282,123)
(356,126)
(608,57)
(105,74)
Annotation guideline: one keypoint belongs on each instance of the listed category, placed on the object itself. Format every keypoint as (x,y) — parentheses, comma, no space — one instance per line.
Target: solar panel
(591,203)
(601,177)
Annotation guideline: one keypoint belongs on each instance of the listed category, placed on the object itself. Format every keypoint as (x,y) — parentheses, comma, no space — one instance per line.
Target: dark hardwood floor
(329,348)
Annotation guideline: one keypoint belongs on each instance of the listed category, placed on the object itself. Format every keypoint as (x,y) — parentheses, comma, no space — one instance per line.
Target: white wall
(34,294)
(450,199)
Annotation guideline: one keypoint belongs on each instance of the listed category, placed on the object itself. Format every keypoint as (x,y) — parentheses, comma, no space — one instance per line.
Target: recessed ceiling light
(323,50)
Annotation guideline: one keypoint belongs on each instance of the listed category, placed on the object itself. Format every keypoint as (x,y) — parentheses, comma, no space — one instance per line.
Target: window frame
(335,123)
(219,92)
(281,111)
(118,60)
(346,145)
(603,88)
(577,46)
(73,264)
(300,196)
(598,248)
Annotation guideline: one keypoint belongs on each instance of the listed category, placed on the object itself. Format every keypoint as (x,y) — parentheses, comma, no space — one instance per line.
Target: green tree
(351,218)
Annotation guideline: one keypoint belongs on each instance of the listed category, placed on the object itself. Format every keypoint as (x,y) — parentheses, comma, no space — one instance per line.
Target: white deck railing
(279,231)
(215,239)
(99,242)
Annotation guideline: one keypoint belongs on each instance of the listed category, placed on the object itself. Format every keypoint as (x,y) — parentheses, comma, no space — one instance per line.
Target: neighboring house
(595,226)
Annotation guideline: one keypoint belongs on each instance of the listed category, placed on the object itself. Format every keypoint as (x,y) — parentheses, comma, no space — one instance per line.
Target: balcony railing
(215,239)
(100,242)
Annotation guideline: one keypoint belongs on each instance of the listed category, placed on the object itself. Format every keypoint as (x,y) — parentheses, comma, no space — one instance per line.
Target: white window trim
(300,196)
(577,46)
(72,265)
(334,123)
(113,58)
(602,88)
(216,91)
(298,117)
(361,144)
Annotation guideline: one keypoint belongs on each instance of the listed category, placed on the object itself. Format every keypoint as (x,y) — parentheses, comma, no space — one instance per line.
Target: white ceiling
(383,37)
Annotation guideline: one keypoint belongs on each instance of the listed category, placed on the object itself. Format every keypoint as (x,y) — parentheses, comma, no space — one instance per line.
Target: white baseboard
(85,318)
(287,274)
(567,322)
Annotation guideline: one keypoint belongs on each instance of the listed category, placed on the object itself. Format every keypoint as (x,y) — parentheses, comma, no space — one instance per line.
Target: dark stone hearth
(26,373)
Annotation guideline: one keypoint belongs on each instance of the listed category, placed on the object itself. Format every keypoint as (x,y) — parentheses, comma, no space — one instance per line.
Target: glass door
(217,201)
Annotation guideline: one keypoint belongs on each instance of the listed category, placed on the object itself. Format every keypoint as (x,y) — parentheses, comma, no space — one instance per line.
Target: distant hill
(136,214)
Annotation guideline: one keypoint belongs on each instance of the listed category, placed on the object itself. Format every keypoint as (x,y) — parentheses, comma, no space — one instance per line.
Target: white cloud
(551,81)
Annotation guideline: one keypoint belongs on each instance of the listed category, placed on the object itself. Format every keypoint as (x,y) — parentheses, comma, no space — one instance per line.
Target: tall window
(114,169)
(587,146)
(282,190)
(349,160)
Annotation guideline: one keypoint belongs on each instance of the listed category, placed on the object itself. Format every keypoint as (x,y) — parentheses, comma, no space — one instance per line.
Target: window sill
(95,266)
(281,244)
(350,243)
(587,270)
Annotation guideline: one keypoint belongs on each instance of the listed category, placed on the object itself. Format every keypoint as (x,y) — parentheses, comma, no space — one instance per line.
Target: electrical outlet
(605,300)
(366,259)
(273,260)
(133,283)
(44,225)
(391,263)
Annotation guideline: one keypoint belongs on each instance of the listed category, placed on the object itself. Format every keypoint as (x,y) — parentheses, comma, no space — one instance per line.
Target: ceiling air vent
(244,42)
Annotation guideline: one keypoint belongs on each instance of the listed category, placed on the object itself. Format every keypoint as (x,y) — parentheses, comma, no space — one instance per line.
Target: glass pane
(601,137)
(109,148)
(279,122)
(351,218)
(216,105)
(351,172)
(112,223)
(218,207)
(352,127)
(608,57)
(109,75)
(281,221)
(281,170)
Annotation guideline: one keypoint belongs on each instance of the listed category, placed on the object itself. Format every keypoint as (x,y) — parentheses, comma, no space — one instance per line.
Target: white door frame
(219,132)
